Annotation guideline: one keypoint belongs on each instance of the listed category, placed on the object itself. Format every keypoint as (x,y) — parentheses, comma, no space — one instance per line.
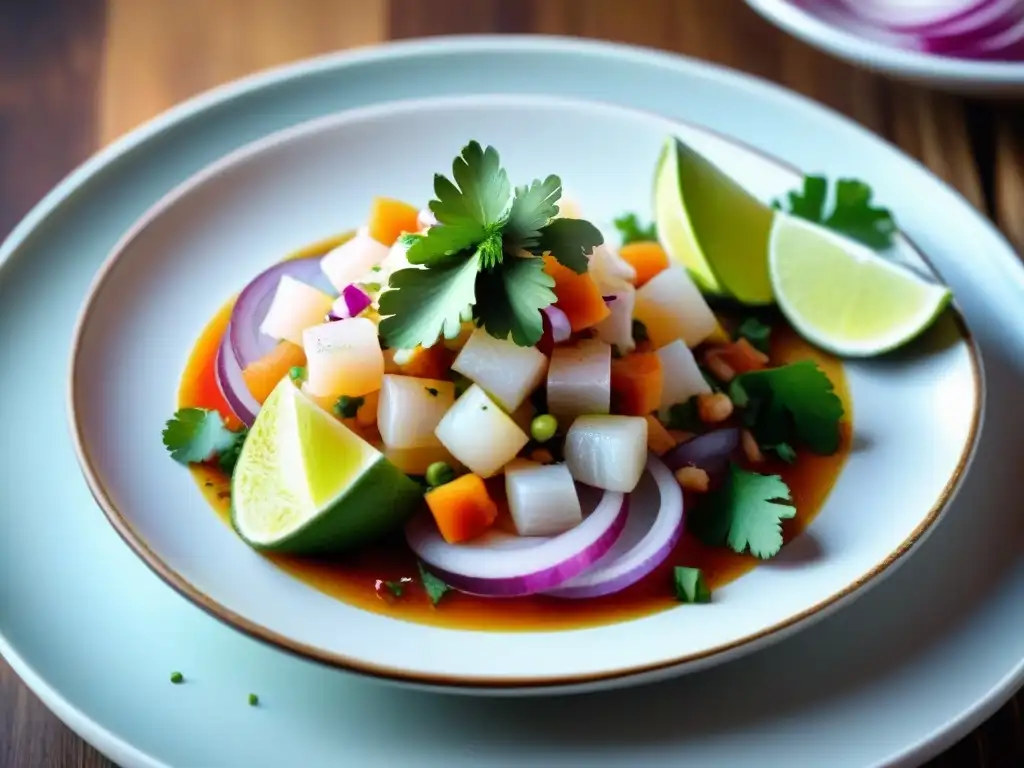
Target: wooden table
(76,74)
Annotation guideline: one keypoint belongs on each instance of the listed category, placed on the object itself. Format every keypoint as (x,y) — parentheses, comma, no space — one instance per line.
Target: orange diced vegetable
(390,218)
(636,383)
(462,509)
(658,438)
(578,296)
(263,375)
(739,356)
(422,362)
(648,258)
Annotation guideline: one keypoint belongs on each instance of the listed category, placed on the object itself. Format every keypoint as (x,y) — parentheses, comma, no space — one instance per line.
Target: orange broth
(357,579)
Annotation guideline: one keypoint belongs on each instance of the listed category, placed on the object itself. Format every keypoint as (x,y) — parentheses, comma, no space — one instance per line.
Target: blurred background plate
(981,78)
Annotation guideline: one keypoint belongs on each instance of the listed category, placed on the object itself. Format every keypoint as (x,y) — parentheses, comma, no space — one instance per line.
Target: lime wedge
(844,297)
(712,226)
(306,484)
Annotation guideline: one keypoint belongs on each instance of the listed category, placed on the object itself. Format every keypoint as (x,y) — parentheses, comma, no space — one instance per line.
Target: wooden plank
(159,52)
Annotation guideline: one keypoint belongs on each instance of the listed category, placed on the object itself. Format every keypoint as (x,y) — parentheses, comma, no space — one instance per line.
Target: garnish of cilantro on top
(483,260)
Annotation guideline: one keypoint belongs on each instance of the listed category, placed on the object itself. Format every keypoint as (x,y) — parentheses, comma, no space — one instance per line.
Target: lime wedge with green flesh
(305,484)
(845,297)
(712,226)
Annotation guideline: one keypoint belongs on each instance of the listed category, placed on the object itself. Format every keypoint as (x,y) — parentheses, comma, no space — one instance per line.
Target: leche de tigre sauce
(358,579)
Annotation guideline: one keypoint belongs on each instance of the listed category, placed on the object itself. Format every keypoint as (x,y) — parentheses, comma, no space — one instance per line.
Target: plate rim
(879,57)
(534,683)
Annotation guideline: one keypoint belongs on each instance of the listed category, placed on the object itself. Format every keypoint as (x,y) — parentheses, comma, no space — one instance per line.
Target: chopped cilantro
(744,513)
(177,678)
(396,588)
(684,416)
(298,373)
(347,407)
(757,333)
(372,287)
(639,331)
(432,391)
(195,435)
(690,585)
(632,231)
(434,587)
(375,269)
(227,459)
(852,213)
(254,700)
(481,259)
(783,450)
(794,402)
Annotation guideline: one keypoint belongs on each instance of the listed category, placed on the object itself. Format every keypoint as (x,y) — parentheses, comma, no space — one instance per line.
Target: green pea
(439,473)
(543,427)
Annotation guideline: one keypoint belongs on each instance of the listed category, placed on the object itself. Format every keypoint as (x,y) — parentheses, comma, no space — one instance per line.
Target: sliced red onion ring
(709,451)
(561,330)
(931,18)
(232,386)
(247,342)
(499,564)
(650,535)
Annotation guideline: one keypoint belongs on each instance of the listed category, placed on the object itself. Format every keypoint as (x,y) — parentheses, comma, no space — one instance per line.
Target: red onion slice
(920,19)
(709,451)
(352,301)
(650,535)
(559,321)
(248,343)
(232,386)
(499,564)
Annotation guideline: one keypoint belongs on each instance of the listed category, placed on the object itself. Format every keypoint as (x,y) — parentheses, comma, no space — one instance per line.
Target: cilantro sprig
(198,435)
(482,260)
(852,213)
(793,403)
(744,513)
(633,231)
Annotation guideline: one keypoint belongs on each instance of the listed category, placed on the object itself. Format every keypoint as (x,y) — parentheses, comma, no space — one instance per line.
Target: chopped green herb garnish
(791,403)
(434,587)
(227,458)
(439,473)
(543,427)
(783,450)
(639,331)
(376,269)
(195,435)
(372,287)
(684,416)
(852,214)
(632,231)
(482,260)
(177,678)
(432,391)
(297,373)
(396,588)
(483,407)
(347,407)
(254,700)
(744,513)
(690,585)
(757,333)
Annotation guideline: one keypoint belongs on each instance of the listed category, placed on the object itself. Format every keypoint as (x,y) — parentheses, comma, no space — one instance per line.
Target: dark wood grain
(75,74)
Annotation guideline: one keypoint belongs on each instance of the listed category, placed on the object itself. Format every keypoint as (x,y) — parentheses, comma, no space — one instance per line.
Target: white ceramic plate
(199,246)
(988,78)
(889,681)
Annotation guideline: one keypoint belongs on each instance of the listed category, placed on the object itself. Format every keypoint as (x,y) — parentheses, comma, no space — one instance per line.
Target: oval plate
(916,415)
(982,78)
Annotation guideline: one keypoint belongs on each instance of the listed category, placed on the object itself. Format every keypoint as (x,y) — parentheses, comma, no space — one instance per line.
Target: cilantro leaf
(792,401)
(745,513)
(569,241)
(195,435)
(632,231)
(510,300)
(482,194)
(425,303)
(441,243)
(783,450)
(852,214)
(757,333)
(690,585)
(434,587)
(532,208)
